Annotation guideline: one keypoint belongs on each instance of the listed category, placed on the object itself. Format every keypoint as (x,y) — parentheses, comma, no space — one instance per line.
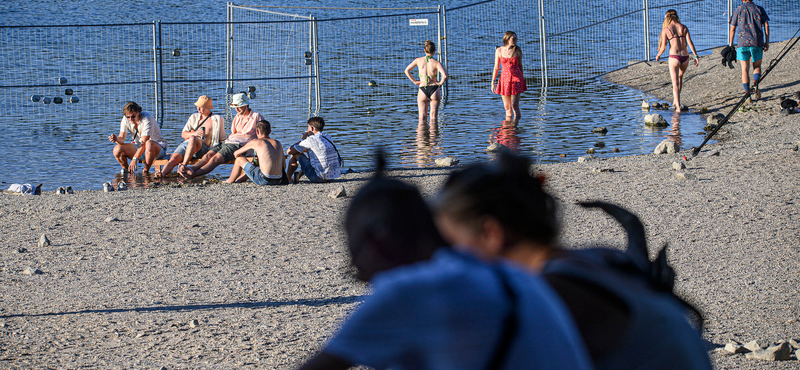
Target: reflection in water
(675,130)
(426,140)
(507,134)
(146,180)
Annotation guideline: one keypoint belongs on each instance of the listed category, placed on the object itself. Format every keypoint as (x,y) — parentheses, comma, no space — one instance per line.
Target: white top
(147,127)
(218,128)
(322,155)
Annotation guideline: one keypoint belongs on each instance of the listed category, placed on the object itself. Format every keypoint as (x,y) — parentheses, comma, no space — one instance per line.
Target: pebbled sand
(264,271)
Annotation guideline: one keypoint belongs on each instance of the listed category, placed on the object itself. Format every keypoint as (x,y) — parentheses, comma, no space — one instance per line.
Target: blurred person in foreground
(621,302)
(433,307)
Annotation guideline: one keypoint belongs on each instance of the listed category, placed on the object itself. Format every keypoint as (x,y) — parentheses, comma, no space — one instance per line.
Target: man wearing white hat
(203,130)
(243,129)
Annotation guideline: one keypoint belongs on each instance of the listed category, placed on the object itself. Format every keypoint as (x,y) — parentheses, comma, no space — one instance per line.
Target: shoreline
(209,276)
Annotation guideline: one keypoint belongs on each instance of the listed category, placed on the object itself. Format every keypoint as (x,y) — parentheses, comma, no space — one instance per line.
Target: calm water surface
(556,121)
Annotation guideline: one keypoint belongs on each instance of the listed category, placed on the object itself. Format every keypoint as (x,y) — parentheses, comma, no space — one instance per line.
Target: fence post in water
(156,26)
(316,64)
(442,47)
(310,66)
(646,23)
(160,80)
(229,63)
(542,44)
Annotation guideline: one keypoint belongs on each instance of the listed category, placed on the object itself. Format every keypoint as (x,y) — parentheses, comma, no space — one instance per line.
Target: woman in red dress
(512,82)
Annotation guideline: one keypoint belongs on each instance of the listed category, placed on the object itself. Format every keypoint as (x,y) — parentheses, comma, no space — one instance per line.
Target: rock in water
(645,105)
(590,151)
(715,119)
(655,119)
(600,130)
(43,241)
(496,148)
(667,146)
(447,161)
(337,192)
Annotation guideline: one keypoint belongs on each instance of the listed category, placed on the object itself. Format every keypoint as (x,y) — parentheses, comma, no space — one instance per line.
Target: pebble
(562,155)
(645,105)
(111,219)
(590,151)
(685,176)
(194,323)
(753,345)
(711,153)
(794,344)
(602,170)
(778,352)
(21,250)
(448,161)
(599,144)
(337,192)
(587,158)
(192,225)
(43,241)
(734,347)
(615,150)
(31,271)
(677,166)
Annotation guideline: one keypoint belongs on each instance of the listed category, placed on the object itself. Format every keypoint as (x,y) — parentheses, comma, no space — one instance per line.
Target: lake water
(556,124)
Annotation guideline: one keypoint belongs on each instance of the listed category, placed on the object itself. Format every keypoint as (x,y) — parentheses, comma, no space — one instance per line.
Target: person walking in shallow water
(512,82)
(429,91)
(677,35)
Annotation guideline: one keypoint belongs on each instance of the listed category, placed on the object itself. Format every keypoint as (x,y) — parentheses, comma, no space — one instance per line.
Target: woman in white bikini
(679,41)
(429,92)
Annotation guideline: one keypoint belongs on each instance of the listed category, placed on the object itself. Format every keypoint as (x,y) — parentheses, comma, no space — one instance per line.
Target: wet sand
(264,272)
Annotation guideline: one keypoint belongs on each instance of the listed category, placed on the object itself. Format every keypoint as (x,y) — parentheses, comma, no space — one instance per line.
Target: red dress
(511,80)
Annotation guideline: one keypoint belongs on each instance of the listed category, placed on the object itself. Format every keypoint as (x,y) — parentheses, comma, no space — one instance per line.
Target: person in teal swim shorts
(752,41)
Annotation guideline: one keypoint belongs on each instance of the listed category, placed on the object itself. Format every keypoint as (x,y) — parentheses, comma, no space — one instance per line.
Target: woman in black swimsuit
(429,92)
(677,35)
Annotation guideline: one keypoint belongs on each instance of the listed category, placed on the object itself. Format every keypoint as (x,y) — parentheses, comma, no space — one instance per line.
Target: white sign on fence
(418,22)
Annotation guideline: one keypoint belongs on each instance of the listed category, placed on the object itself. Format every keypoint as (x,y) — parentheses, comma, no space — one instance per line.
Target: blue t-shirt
(449,313)
(749,20)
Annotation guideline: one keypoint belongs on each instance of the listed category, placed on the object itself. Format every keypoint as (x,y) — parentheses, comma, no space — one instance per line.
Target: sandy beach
(242,276)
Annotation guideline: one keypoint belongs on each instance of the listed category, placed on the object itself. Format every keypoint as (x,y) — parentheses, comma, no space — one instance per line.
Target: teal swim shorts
(746,52)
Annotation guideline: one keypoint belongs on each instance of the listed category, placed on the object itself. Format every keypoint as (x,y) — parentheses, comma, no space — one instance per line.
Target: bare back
(270,156)
(429,69)
(675,34)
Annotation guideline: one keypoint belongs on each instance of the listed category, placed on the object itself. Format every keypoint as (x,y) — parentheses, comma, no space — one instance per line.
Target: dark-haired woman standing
(512,82)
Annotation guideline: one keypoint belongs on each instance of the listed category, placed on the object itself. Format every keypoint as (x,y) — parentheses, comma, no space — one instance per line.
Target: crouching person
(268,161)
(146,139)
(316,155)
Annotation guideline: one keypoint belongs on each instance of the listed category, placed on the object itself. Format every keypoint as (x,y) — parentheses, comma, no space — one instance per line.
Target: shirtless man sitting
(268,162)
(203,130)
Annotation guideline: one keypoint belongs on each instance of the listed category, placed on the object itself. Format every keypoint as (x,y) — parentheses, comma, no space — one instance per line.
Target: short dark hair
(388,225)
(131,107)
(264,127)
(507,191)
(317,123)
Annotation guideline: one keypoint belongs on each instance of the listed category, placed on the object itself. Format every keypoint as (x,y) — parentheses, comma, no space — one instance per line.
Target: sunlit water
(556,122)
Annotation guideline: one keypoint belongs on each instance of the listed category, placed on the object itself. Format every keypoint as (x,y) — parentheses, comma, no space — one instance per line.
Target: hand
(112,138)
(492,86)
(132,165)
(417,83)
(696,61)
(658,58)
(766,46)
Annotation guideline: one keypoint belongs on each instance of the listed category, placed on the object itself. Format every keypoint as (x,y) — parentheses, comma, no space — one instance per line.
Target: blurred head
(389,225)
(430,47)
(263,128)
(509,38)
(494,208)
(316,123)
(670,17)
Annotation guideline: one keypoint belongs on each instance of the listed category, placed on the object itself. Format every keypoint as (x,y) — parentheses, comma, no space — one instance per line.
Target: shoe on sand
(69,189)
(756,94)
(122,186)
(108,187)
(295,177)
(61,190)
